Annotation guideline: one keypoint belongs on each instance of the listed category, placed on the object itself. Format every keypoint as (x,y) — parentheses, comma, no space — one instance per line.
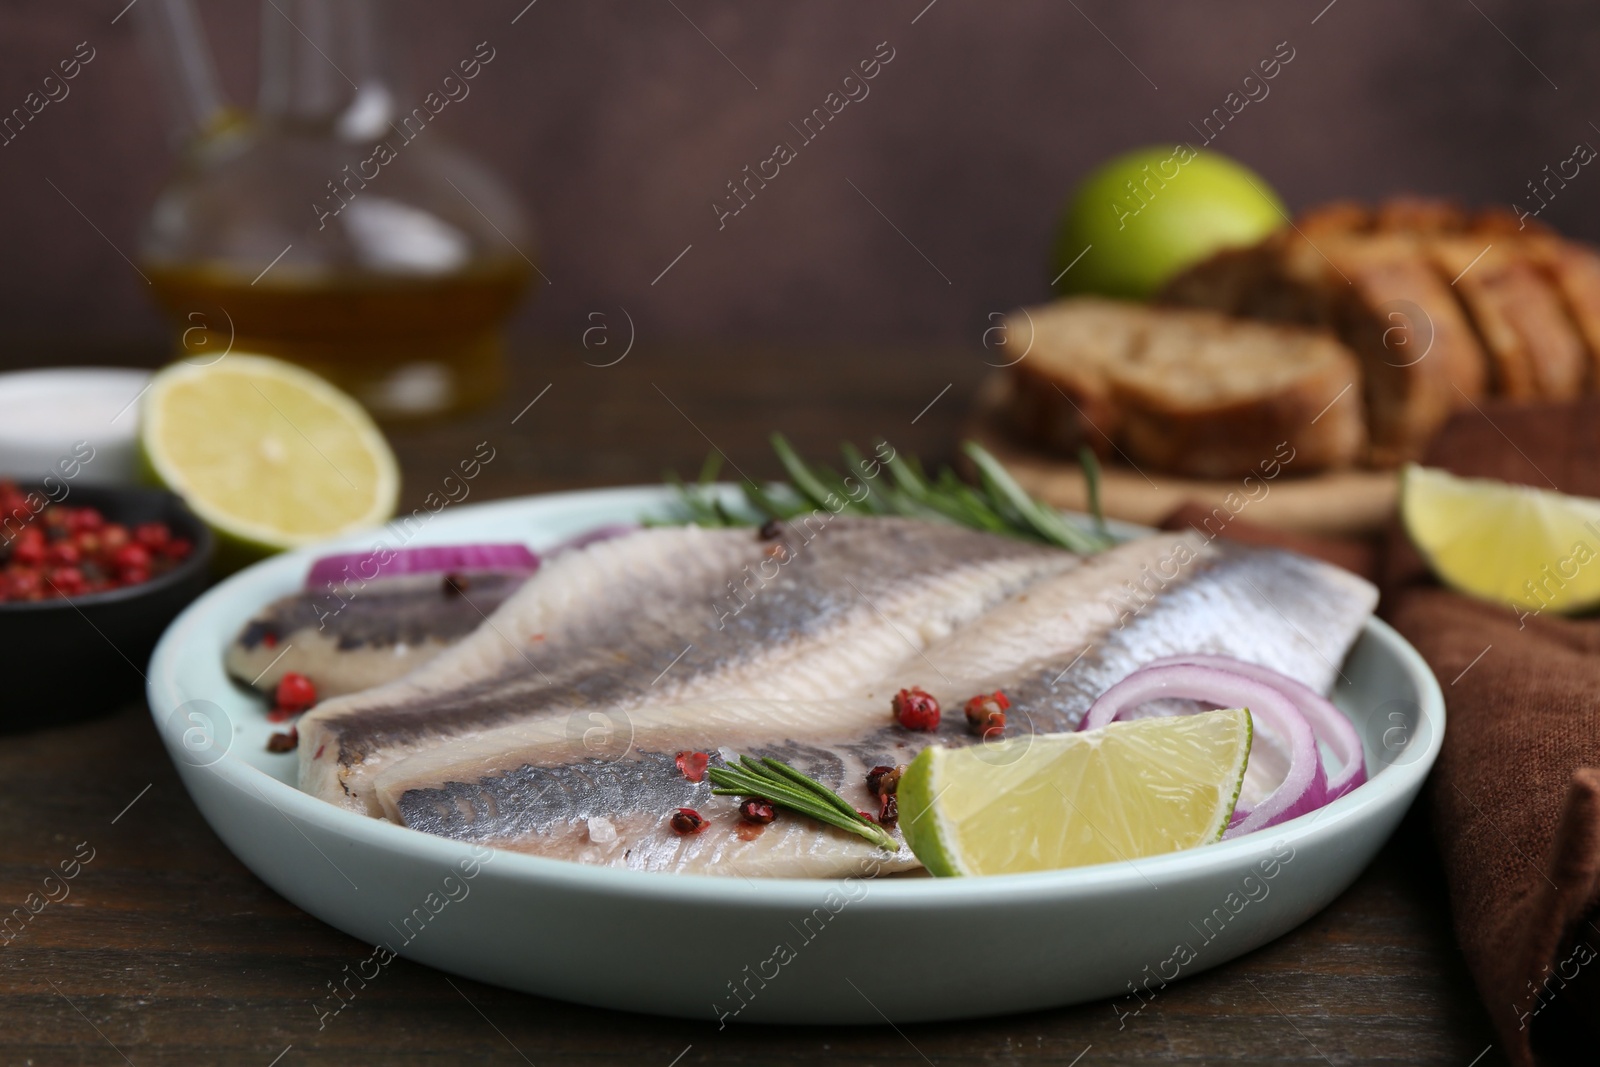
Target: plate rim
(164,690)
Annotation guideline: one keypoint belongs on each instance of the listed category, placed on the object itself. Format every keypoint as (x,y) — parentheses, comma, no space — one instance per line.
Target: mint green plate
(793,951)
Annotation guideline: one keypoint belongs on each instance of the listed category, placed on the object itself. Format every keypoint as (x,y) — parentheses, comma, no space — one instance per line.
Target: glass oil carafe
(335,226)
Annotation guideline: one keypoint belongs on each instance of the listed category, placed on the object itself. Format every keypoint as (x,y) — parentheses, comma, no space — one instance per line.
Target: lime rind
(1238,785)
(922,825)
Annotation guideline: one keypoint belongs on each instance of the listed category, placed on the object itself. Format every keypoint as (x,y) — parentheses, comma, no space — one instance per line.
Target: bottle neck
(324,68)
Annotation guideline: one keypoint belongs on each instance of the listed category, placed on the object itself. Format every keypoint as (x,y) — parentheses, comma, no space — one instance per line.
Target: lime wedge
(1515,544)
(1041,803)
(267,454)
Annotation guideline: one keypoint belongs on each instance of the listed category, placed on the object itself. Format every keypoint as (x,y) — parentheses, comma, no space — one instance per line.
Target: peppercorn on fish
(669,615)
(1052,647)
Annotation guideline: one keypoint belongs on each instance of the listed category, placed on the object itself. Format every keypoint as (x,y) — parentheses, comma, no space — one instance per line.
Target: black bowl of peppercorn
(89,578)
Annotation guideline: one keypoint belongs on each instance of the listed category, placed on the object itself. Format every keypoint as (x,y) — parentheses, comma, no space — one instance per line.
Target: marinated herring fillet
(677,614)
(1052,647)
(347,640)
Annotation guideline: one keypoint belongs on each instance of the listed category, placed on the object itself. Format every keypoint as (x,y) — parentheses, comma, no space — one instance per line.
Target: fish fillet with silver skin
(1053,644)
(670,615)
(346,638)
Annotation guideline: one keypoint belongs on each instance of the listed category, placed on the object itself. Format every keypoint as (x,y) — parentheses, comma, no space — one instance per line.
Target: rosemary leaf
(701,512)
(835,485)
(985,513)
(793,801)
(766,790)
(821,791)
(1043,520)
(764,503)
(901,503)
(799,474)
(1091,477)
(737,776)
(711,468)
(907,475)
(856,465)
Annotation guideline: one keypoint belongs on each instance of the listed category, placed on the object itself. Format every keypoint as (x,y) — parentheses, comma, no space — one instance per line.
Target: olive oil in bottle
(405,346)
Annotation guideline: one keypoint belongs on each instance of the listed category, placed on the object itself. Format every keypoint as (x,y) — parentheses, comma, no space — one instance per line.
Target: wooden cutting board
(1338,503)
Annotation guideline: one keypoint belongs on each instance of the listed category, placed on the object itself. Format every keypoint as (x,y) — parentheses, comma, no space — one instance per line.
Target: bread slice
(1187,392)
(1422,360)
(1254,282)
(1574,270)
(1064,397)
(1534,350)
(1381,294)
(1231,282)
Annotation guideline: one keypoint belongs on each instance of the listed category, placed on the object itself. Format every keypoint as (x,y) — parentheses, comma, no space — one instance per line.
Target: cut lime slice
(1514,544)
(267,454)
(1040,803)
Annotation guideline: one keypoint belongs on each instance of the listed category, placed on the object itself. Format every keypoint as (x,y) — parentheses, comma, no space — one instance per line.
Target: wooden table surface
(168,951)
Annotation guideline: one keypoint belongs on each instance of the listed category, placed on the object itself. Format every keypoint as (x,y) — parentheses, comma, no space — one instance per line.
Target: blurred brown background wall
(622,123)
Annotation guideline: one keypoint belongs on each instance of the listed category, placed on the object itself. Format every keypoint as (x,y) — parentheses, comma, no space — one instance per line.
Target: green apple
(1146,215)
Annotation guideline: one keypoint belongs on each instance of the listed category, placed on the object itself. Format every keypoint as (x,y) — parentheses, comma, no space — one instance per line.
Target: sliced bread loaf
(1381,293)
(1498,301)
(1574,270)
(1534,350)
(1419,354)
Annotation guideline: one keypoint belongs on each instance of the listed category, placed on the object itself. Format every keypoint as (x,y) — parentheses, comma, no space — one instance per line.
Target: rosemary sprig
(997,504)
(778,783)
(1047,522)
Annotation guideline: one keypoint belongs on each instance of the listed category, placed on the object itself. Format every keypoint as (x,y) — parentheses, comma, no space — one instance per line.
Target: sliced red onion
(1331,726)
(1304,788)
(427,559)
(589,537)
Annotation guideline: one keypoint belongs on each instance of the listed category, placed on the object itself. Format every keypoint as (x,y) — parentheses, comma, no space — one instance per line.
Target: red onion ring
(1330,725)
(1304,788)
(430,559)
(426,559)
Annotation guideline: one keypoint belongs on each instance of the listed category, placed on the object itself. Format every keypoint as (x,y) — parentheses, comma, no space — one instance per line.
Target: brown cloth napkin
(1515,795)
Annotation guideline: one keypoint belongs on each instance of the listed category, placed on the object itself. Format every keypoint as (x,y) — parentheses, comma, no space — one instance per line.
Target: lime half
(1041,803)
(267,454)
(1515,544)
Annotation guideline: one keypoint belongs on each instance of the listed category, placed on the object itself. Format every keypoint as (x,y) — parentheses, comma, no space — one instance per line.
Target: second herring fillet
(677,614)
